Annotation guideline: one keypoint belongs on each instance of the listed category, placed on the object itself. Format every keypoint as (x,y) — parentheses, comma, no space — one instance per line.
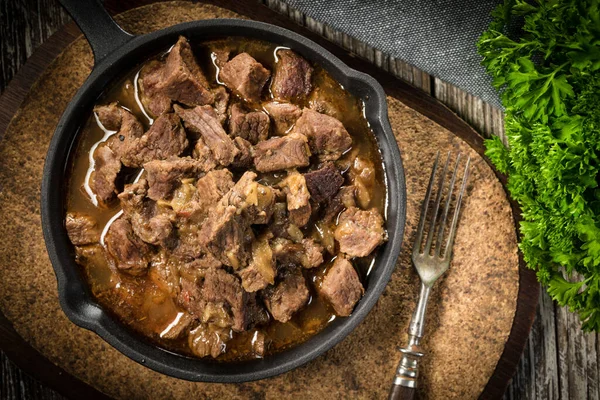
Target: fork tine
(452,233)
(442,225)
(437,206)
(424,206)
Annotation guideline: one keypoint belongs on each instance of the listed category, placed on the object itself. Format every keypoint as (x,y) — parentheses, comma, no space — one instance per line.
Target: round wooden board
(480,316)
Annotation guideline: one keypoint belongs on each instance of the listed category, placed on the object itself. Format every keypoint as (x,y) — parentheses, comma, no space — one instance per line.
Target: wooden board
(408,95)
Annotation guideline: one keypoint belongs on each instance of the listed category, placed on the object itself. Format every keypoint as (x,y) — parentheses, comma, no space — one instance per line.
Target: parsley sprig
(544,56)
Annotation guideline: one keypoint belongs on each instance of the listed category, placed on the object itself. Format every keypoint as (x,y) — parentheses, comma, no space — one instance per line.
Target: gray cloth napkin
(436,36)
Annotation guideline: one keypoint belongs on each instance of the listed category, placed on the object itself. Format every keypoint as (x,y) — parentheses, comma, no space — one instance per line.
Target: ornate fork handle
(408,368)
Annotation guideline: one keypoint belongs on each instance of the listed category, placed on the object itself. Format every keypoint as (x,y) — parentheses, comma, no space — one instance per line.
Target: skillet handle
(101,31)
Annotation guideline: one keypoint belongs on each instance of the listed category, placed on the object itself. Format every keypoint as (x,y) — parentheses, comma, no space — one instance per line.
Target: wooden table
(559,360)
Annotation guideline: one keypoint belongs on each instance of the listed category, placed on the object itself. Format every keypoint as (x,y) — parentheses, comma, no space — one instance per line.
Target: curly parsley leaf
(549,80)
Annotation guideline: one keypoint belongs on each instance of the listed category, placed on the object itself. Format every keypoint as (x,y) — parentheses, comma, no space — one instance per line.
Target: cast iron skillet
(117,52)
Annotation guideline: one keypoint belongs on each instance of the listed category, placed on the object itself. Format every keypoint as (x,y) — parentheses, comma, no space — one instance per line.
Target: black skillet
(117,52)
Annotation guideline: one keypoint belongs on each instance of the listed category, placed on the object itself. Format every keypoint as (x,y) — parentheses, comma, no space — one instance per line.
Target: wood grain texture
(559,358)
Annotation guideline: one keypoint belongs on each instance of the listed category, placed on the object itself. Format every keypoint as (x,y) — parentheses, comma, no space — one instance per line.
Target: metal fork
(430,265)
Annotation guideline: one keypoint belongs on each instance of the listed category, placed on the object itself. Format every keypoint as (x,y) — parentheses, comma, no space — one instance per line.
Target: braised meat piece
(298,196)
(164,176)
(226,236)
(261,271)
(359,232)
(253,201)
(245,76)
(222,287)
(326,135)
(341,287)
(129,252)
(307,253)
(284,116)
(203,154)
(165,138)
(129,129)
(244,158)
(106,169)
(292,76)
(221,103)
(150,80)
(250,125)
(287,297)
(109,116)
(213,186)
(180,79)
(147,221)
(81,229)
(204,121)
(324,183)
(345,198)
(278,153)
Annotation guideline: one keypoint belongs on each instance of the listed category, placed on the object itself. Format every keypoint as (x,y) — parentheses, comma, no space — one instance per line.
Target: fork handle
(398,392)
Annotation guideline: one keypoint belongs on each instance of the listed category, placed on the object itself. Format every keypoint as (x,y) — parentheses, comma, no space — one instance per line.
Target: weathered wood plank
(537,375)
(24,25)
(16,385)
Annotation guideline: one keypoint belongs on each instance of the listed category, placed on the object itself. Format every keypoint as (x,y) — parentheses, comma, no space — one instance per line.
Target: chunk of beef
(252,126)
(307,253)
(222,287)
(190,296)
(284,115)
(360,232)
(292,76)
(287,297)
(182,80)
(203,154)
(261,271)
(345,198)
(165,138)
(253,201)
(245,76)
(221,103)
(165,175)
(278,153)
(341,287)
(128,133)
(281,226)
(226,236)
(177,327)
(213,186)
(298,196)
(106,169)
(326,135)
(362,175)
(208,341)
(150,80)
(81,229)
(256,313)
(205,122)
(244,158)
(151,224)
(324,183)
(130,253)
(109,116)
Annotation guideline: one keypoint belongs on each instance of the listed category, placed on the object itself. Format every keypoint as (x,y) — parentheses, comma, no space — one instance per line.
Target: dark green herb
(549,80)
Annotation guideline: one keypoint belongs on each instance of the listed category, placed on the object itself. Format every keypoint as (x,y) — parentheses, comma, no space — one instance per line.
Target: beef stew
(206,193)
